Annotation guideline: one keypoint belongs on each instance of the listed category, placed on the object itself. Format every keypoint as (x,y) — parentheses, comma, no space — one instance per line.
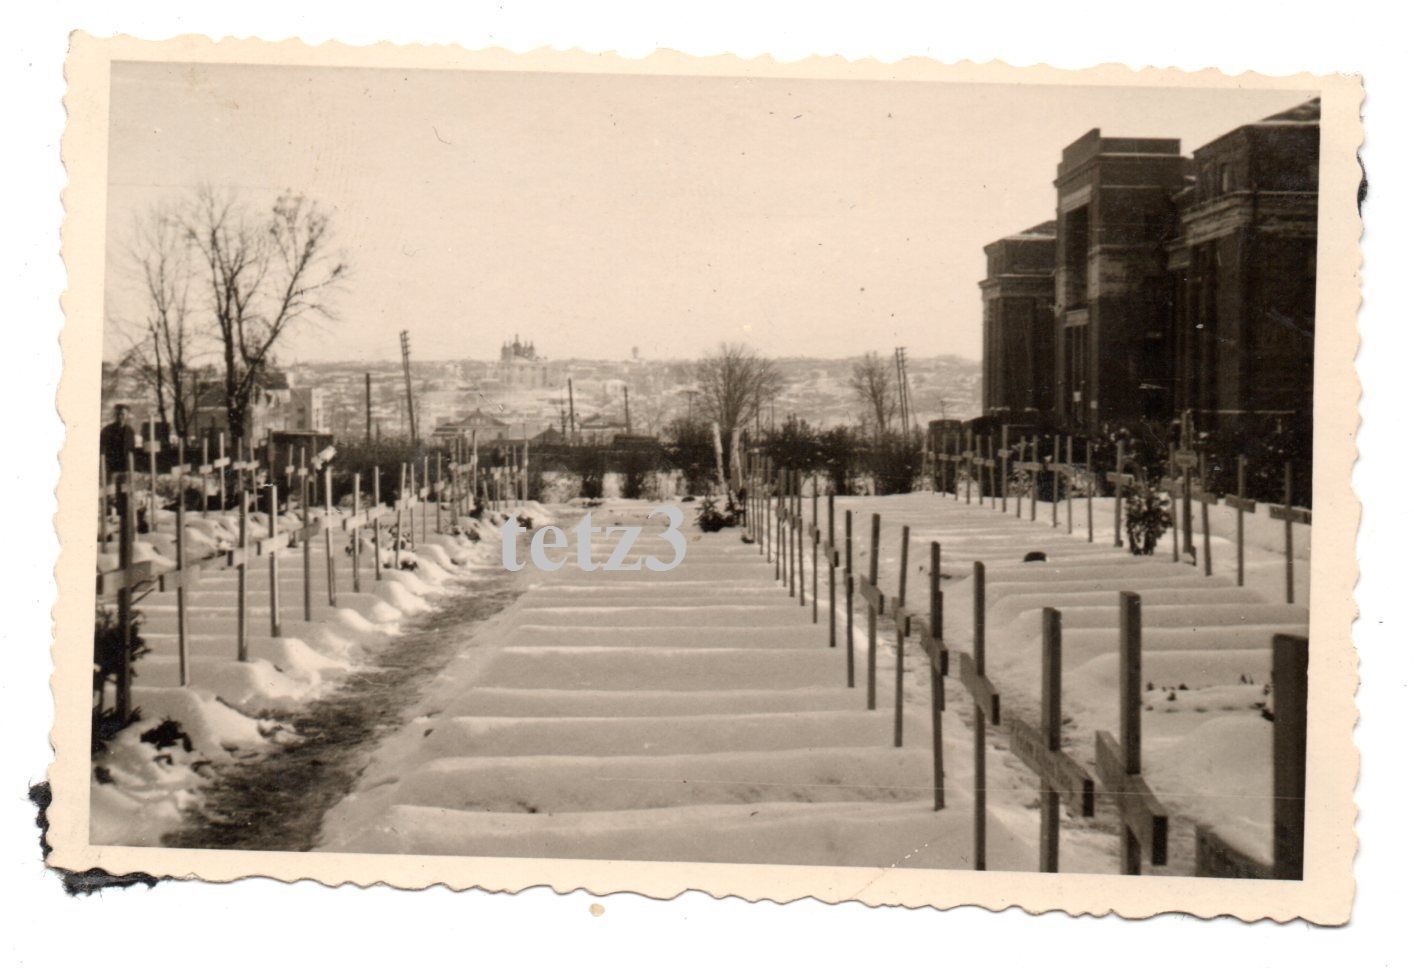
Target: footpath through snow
(691,715)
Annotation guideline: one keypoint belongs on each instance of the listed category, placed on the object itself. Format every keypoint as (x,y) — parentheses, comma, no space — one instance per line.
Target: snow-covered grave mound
(230,707)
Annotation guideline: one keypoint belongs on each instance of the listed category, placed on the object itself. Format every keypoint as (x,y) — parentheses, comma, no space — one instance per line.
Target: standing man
(115,443)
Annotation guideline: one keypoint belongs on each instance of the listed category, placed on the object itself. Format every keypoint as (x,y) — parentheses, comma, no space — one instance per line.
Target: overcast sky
(595,213)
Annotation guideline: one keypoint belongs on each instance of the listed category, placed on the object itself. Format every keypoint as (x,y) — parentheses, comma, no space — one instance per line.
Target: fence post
(1291,655)
(1051,733)
(849,597)
(872,600)
(274,561)
(901,634)
(1035,473)
(936,669)
(979,717)
(242,647)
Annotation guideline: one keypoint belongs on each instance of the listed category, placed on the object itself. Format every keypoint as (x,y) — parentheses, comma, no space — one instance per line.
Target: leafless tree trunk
(163,352)
(873,382)
(263,276)
(735,382)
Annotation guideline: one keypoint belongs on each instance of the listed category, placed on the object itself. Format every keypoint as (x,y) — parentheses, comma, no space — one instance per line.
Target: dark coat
(115,443)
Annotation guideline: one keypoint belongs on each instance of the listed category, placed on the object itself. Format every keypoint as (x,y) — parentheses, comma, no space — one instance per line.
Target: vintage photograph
(776,472)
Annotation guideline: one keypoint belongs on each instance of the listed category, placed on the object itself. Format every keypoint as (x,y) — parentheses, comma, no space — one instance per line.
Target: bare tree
(735,383)
(264,275)
(163,354)
(874,383)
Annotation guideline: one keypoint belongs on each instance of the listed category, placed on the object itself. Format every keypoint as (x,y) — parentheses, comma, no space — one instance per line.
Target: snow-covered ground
(234,710)
(692,715)
(1207,642)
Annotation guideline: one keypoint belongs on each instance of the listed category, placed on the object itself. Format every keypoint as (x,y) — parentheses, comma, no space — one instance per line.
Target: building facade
(1018,311)
(1175,284)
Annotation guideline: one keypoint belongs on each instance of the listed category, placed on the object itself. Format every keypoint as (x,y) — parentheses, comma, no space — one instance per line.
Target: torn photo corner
(908,483)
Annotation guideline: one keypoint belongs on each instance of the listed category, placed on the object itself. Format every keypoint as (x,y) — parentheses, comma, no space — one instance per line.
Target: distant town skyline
(596,213)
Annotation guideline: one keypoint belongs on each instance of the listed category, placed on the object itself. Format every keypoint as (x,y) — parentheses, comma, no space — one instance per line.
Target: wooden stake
(814,552)
(1051,733)
(871,671)
(849,596)
(274,562)
(901,634)
(979,718)
(1242,504)
(126,538)
(329,538)
(242,647)
(937,669)
(377,527)
(354,532)
(1290,663)
(183,666)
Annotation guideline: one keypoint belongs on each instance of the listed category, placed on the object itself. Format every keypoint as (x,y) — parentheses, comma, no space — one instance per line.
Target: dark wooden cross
(1003,458)
(1120,480)
(937,652)
(1244,506)
(1061,777)
(1205,499)
(1186,459)
(1218,858)
(873,598)
(986,707)
(989,462)
(1033,468)
(898,612)
(1288,516)
(1144,821)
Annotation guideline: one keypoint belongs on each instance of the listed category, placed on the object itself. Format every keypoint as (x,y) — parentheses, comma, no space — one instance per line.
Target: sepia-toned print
(901,483)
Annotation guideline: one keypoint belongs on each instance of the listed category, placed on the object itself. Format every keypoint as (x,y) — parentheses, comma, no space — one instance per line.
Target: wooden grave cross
(1032,468)
(1120,480)
(849,598)
(1040,749)
(1205,499)
(1003,456)
(1244,505)
(814,554)
(1216,857)
(989,462)
(937,652)
(1186,459)
(1144,821)
(898,612)
(1288,516)
(986,707)
(869,590)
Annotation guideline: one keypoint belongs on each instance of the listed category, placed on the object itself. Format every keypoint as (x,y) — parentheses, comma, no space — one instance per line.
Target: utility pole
(407,382)
(368,406)
(574,433)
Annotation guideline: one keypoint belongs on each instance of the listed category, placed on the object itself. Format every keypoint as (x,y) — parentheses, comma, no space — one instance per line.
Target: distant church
(510,352)
(521,367)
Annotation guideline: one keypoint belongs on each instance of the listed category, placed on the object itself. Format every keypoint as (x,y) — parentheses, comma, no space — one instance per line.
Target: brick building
(1018,315)
(1174,284)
